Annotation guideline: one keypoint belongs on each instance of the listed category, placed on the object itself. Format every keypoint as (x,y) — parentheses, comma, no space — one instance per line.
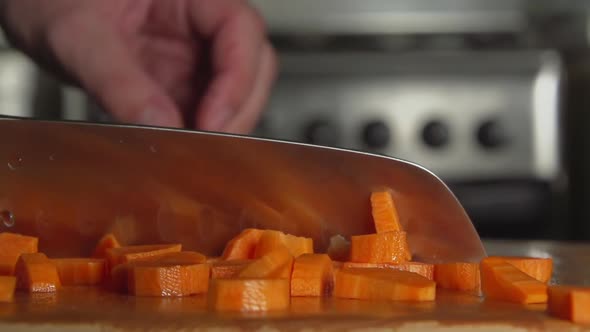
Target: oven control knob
(436,134)
(491,134)
(321,132)
(376,135)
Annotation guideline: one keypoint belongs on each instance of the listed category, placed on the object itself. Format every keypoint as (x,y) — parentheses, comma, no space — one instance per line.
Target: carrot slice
(80,271)
(228,269)
(299,245)
(461,276)
(7,288)
(536,267)
(313,275)
(120,274)
(116,256)
(271,239)
(569,302)
(339,248)
(37,273)
(276,264)
(243,245)
(384,212)
(383,284)
(503,281)
(423,269)
(248,295)
(390,247)
(12,245)
(107,242)
(175,274)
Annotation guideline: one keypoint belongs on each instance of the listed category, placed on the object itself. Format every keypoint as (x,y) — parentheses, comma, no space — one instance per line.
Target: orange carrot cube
(80,271)
(37,273)
(570,303)
(313,275)
(248,295)
(390,247)
(503,281)
(383,284)
(7,288)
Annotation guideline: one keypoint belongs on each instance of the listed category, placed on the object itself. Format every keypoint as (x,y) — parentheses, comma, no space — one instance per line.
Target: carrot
(383,284)
(243,245)
(569,302)
(120,274)
(248,295)
(299,245)
(339,248)
(503,281)
(7,288)
(228,269)
(536,267)
(461,276)
(116,256)
(12,245)
(175,274)
(37,273)
(313,275)
(80,271)
(423,269)
(271,239)
(108,241)
(276,264)
(390,247)
(384,212)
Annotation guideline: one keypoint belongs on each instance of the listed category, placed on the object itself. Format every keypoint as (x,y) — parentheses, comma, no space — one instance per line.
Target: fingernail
(155,117)
(218,119)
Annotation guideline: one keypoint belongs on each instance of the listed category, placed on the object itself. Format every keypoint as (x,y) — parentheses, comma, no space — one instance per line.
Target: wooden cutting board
(92,310)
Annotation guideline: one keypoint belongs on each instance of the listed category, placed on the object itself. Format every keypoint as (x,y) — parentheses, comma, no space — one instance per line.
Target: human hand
(204,64)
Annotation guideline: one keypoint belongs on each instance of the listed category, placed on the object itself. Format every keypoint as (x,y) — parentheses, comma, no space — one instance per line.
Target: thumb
(112,75)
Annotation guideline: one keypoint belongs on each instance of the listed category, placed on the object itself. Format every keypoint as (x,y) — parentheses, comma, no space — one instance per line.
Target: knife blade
(70,182)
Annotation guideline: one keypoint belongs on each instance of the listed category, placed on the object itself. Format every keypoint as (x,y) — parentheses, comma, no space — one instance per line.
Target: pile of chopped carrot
(261,269)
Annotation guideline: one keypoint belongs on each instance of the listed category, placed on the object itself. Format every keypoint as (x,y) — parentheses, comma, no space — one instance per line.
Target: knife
(70,182)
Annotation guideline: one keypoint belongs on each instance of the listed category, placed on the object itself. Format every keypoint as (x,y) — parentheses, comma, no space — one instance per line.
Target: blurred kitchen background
(490,95)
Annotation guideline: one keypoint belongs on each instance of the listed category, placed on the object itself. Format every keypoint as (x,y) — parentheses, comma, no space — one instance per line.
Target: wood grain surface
(81,309)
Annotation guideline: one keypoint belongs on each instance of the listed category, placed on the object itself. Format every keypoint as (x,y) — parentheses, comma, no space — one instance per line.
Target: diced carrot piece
(268,242)
(108,241)
(116,256)
(503,281)
(276,264)
(228,269)
(383,284)
(7,288)
(339,248)
(461,276)
(12,245)
(536,267)
(271,239)
(313,275)
(248,295)
(390,247)
(423,269)
(299,245)
(80,271)
(569,302)
(120,274)
(37,273)
(242,246)
(384,212)
(175,274)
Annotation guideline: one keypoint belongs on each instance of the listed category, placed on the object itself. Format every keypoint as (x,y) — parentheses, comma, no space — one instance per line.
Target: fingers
(111,75)
(238,42)
(246,119)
